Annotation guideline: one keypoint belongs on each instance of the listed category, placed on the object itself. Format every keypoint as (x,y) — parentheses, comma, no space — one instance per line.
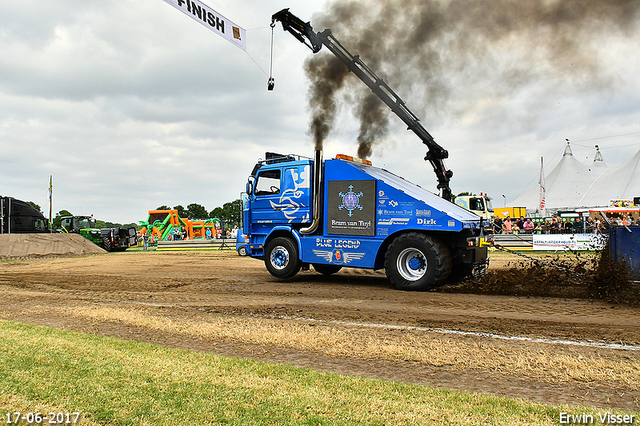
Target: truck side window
(268,183)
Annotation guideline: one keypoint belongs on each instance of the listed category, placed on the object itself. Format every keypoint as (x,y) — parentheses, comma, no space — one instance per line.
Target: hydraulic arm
(303,31)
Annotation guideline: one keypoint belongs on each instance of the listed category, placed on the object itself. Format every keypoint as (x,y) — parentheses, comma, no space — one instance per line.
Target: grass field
(119,382)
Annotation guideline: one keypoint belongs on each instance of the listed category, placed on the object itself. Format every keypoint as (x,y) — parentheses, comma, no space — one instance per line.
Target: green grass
(120,382)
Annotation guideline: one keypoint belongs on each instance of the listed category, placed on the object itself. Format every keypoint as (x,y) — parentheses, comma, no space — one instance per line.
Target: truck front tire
(281,258)
(416,261)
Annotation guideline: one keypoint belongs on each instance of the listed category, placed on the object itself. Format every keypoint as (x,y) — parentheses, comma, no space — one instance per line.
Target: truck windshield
(83,223)
(489,205)
(40,224)
(476,204)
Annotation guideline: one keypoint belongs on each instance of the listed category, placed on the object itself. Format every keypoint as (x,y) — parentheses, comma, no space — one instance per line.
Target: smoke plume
(432,48)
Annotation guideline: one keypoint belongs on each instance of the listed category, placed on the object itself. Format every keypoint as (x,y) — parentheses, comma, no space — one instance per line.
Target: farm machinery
(110,239)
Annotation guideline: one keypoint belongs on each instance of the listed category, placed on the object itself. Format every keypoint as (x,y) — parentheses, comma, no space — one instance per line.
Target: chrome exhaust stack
(317,194)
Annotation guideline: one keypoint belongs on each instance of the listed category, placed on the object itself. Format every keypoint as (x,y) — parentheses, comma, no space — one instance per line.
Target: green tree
(230,214)
(218,213)
(35,206)
(57,219)
(233,213)
(164,208)
(182,212)
(197,211)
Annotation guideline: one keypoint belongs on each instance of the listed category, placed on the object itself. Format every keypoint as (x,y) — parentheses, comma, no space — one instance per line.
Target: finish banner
(212,20)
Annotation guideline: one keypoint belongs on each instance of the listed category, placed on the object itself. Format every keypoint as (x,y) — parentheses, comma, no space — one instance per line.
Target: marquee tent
(573,184)
(620,183)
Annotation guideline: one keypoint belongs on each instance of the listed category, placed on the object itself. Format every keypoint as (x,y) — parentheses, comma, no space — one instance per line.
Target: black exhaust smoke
(431,48)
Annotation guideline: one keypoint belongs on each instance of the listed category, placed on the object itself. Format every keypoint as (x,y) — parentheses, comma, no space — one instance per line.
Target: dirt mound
(21,246)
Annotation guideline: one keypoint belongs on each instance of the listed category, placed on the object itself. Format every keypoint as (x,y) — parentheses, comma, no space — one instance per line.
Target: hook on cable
(272,81)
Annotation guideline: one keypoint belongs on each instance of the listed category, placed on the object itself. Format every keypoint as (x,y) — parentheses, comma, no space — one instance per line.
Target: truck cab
(17,216)
(479,204)
(343,212)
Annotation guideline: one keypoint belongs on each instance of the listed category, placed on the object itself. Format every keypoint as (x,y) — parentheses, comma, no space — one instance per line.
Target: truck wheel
(281,258)
(326,269)
(417,261)
(242,251)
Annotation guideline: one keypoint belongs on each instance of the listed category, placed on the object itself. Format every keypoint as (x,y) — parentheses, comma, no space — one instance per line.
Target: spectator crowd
(558,225)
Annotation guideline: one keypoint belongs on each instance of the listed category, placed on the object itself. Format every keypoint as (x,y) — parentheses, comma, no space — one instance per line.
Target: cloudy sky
(130,104)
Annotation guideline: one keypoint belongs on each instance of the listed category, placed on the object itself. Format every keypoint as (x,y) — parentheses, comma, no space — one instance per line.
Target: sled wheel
(417,261)
(106,244)
(281,258)
(326,269)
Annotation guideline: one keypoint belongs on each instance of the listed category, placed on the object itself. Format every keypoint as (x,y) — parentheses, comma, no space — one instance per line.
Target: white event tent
(575,185)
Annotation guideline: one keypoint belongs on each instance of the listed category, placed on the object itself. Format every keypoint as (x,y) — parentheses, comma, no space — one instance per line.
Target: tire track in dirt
(203,287)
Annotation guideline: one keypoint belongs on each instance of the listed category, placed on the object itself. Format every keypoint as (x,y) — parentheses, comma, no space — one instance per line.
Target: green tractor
(110,239)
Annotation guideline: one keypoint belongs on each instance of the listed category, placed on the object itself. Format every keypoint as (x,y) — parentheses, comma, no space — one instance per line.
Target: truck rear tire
(281,258)
(326,269)
(416,261)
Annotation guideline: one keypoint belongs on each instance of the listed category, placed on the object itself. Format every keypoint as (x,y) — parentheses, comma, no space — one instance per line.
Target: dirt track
(175,298)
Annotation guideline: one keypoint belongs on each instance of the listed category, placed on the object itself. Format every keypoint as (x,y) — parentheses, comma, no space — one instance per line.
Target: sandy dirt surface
(16,246)
(349,323)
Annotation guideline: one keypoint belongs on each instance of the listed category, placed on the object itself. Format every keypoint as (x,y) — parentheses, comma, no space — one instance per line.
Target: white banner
(212,20)
(569,241)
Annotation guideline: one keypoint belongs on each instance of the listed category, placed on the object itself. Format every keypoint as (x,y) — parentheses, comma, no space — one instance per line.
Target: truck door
(265,205)
(295,200)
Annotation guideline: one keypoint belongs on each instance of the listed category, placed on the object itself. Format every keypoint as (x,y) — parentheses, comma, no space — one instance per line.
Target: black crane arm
(303,31)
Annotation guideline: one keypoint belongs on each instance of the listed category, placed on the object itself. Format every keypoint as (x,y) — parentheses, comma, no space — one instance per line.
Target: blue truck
(344,212)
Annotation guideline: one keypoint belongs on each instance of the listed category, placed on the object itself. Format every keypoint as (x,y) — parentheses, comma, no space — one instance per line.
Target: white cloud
(131,105)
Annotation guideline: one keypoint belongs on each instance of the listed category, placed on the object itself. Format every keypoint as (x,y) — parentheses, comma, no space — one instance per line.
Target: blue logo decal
(350,201)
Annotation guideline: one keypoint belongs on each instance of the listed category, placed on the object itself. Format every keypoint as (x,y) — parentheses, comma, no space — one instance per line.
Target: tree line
(229,213)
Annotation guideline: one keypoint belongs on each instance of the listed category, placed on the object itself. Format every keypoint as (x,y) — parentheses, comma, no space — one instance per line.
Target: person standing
(507,226)
(577,226)
(528,226)
(497,225)
(145,241)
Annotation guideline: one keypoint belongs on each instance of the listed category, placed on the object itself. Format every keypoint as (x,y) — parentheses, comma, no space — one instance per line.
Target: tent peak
(567,149)
(598,156)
